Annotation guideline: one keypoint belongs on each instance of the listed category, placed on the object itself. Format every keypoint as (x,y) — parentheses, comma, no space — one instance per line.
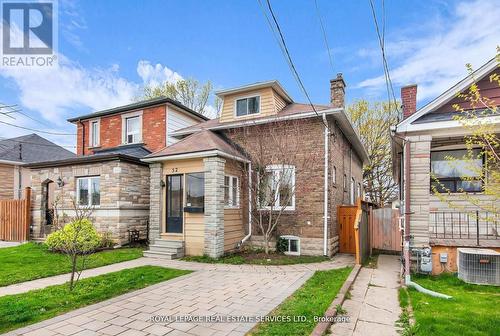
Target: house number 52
(174,170)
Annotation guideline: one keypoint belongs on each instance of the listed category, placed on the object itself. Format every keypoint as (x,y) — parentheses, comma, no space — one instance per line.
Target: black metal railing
(477,225)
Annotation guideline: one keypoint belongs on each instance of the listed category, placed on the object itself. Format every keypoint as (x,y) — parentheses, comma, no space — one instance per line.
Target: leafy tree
(186,91)
(373,121)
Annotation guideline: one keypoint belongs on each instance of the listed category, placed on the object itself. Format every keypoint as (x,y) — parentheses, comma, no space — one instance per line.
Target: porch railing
(477,225)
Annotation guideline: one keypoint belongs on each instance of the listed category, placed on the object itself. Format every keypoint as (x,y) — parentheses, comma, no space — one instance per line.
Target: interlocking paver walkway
(214,289)
(373,308)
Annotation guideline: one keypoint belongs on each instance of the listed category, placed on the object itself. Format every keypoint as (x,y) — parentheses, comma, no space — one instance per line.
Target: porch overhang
(194,155)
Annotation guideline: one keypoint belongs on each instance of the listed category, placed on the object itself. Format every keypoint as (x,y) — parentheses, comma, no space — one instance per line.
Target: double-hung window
(231,191)
(88,191)
(94,133)
(457,170)
(278,186)
(247,106)
(133,130)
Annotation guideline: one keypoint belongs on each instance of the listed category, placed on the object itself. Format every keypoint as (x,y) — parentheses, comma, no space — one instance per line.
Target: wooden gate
(15,218)
(346,216)
(385,233)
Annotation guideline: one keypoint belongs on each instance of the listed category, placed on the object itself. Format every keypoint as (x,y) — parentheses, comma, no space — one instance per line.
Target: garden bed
(23,309)
(34,261)
(258,258)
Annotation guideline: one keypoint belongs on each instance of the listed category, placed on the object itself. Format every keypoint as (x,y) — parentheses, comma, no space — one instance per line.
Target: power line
(30,117)
(33,143)
(35,130)
(324,36)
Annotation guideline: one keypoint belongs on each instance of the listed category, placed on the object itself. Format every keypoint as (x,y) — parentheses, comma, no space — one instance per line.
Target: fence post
(477,227)
(27,214)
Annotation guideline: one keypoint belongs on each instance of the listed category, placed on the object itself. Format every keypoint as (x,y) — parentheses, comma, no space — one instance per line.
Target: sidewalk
(374,306)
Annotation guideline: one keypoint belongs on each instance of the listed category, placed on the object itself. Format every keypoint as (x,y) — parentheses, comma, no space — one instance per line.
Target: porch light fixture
(162,183)
(60,182)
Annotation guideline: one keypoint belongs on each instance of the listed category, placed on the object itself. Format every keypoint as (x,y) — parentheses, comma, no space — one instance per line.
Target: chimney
(337,91)
(409,99)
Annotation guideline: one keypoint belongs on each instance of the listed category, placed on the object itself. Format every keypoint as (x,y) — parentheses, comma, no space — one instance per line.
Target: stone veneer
(124,191)
(214,206)
(155,207)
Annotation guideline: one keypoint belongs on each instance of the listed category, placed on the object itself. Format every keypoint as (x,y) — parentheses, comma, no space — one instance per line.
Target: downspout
(83,136)
(249,207)
(325,205)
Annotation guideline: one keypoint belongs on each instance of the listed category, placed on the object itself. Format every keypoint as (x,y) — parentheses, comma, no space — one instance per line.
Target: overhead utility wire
(324,36)
(33,143)
(35,130)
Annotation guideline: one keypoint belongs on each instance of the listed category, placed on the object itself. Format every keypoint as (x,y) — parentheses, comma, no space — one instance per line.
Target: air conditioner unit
(479,266)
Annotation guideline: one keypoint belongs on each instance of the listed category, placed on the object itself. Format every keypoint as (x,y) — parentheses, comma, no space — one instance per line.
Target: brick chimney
(337,91)
(409,99)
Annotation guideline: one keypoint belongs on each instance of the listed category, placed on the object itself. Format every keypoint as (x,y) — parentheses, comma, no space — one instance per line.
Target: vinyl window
(195,191)
(231,191)
(132,130)
(94,133)
(88,191)
(293,244)
(247,106)
(278,188)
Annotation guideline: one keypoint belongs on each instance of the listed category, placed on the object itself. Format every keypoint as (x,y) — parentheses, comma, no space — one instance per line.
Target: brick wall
(153,130)
(6,181)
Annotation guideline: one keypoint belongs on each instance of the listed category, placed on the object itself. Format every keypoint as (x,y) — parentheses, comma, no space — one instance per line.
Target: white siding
(175,121)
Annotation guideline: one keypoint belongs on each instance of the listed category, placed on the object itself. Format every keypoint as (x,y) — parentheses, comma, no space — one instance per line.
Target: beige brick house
(422,141)
(202,187)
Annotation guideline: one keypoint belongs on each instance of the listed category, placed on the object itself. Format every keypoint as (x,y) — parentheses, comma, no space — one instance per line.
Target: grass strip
(34,261)
(23,309)
(271,259)
(311,300)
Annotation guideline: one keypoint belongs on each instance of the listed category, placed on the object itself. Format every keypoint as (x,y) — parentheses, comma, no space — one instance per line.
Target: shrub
(281,245)
(106,239)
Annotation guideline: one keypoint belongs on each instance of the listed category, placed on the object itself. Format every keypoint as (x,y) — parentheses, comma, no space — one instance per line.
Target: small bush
(78,236)
(106,240)
(281,245)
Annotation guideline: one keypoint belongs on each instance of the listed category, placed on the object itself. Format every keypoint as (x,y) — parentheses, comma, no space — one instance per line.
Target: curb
(331,312)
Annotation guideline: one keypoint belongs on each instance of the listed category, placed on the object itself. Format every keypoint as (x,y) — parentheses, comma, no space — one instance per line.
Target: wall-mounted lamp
(60,182)
(162,184)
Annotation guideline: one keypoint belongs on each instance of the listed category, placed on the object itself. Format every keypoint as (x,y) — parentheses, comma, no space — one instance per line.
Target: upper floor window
(132,130)
(278,187)
(247,106)
(353,195)
(231,191)
(456,170)
(94,133)
(358,190)
(345,182)
(334,175)
(88,191)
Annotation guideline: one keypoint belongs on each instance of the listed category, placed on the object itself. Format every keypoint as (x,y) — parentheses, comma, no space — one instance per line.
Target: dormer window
(247,106)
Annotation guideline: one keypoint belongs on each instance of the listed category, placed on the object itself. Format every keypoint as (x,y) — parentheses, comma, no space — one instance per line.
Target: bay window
(279,187)
(456,170)
(231,191)
(88,192)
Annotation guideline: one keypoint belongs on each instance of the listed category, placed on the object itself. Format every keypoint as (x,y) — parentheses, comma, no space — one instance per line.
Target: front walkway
(214,289)
(373,308)
(8,244)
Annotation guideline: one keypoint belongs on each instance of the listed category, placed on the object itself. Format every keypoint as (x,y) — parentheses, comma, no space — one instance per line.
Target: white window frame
(334,175)
(352,190)
(124,127)
(358,189)
(246,97)
(278,168)
(233,204)
(289,238)
(91,133)
(88,178)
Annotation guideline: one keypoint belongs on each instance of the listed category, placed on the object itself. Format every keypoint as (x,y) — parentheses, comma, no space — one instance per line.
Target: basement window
(247,106)
(293,245)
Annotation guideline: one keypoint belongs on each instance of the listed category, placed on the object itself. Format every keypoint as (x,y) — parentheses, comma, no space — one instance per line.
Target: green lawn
(312,299)
(33,261)
(474,310)
(41,304)
(257,259)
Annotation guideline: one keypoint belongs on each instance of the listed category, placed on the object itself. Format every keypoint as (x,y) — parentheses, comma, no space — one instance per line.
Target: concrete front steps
(165,249)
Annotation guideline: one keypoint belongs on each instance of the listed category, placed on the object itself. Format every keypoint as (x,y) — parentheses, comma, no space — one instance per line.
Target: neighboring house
(16,152)
(108,175)
(422,144)
(199,197)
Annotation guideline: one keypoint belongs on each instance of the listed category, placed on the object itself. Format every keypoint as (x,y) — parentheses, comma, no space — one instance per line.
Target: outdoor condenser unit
(479,266)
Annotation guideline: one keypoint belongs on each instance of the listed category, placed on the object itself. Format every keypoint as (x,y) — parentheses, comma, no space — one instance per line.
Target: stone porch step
(169,243)
(161,255)
(166,249)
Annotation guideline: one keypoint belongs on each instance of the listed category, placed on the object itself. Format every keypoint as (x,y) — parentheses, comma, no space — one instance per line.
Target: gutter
(325,195)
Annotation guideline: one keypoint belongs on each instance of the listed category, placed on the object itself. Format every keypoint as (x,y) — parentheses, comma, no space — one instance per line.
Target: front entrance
(174,204)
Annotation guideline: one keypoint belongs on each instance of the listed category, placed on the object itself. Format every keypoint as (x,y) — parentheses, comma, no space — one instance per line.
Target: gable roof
(139,105)
(32,148)
(198,144)
(449,94)
(255,86)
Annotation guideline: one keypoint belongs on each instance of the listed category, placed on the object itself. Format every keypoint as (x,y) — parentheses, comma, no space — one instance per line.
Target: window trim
(274,168)
(454,180)
(230,186)
(289,238)
(88,178)
(124,127)
(91,133)
(334,175)
(352,191)
(192,209)
(246,97)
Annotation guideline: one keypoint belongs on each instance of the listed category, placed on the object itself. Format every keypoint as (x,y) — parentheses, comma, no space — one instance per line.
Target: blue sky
(109,49)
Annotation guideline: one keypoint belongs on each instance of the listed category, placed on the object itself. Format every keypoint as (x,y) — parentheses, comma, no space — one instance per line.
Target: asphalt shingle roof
(137,151)
(32,148)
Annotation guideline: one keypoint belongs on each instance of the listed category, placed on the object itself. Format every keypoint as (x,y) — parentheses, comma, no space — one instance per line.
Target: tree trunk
(266,244)
(73,271)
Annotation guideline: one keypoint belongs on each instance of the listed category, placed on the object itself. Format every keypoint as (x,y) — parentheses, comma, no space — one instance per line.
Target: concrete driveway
(212,290)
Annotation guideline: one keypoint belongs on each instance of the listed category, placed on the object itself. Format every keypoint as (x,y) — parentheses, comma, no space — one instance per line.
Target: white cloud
(436,59)
(156,74)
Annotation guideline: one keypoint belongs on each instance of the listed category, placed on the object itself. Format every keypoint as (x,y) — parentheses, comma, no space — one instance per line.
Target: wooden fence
(15,218)
(384,228)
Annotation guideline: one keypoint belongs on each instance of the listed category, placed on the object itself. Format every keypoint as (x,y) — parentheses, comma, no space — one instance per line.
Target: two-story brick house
(107,175)
(201,187)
